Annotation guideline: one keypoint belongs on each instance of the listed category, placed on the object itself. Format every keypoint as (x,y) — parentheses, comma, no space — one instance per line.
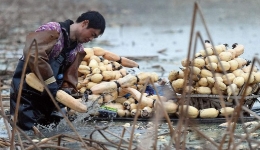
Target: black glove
(53,87)
(67,90)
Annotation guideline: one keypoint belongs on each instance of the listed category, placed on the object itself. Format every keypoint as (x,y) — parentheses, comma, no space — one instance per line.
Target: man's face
(87,34)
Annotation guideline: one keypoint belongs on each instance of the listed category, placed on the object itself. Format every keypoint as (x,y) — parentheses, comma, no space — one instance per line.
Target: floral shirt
(57,48)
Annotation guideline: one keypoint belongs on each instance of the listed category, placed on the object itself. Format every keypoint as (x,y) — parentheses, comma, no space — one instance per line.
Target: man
(60,51)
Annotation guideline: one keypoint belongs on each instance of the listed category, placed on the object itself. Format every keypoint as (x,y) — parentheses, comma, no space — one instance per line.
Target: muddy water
(144,133)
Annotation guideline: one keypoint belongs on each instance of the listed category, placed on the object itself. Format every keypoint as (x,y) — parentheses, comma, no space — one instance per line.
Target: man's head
(93,24)
(96,20)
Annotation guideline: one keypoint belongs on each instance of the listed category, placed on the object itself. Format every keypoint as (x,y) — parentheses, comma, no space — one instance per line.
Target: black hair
(96,20)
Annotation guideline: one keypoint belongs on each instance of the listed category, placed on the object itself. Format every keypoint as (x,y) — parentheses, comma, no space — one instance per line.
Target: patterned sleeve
(60,43)
(50,26)
(73,53)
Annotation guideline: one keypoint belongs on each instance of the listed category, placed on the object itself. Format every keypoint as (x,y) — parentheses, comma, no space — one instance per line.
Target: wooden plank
(142,57)
(218,96)
(174,119)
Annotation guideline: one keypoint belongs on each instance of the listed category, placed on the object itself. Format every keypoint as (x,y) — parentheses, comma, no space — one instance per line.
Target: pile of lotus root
(103,79)
(103,75)
(216,70)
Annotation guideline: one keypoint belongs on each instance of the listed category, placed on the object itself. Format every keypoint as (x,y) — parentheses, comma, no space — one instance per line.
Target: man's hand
(53,87)
(67,90)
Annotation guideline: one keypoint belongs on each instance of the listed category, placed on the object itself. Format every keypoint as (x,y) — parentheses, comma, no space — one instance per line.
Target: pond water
(147,41)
